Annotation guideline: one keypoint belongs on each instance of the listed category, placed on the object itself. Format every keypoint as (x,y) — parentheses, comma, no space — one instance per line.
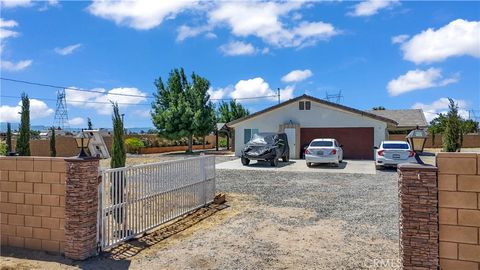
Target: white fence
(135,199)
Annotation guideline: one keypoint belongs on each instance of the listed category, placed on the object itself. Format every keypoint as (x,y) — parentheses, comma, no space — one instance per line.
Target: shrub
(3,148)
(133,145)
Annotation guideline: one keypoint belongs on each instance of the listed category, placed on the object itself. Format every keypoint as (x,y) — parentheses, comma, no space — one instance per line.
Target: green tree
(437,126)
(467,126)
(230,111)
(89,123)
(23,141)
(9,138)
(204,118)
(452,134)
(173,111)
(133,145)
(379,108)
(118,147)
(53,149)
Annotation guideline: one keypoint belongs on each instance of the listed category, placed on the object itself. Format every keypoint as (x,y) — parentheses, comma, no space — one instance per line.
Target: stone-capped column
(81,206)
(418,220)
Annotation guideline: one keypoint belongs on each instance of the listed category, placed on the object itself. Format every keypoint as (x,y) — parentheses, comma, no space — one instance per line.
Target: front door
(291,141)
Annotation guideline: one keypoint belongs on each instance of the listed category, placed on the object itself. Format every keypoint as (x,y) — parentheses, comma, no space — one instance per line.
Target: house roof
(405,118)
(314,99)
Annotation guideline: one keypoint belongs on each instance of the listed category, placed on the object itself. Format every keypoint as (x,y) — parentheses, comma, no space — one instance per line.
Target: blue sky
(395,54)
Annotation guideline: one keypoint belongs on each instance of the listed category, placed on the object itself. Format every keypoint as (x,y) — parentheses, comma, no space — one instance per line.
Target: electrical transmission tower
(335,98)
(61,115)
(474,115)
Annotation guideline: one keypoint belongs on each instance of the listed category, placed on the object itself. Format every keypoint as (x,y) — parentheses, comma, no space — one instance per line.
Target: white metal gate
(135,199)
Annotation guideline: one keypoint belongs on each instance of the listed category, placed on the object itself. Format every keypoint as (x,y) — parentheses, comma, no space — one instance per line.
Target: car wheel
(274,162)
(309,164)
(378,167)
(245,161)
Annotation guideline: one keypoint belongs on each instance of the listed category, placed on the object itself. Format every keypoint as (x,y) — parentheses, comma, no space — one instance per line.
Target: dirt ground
(237,237)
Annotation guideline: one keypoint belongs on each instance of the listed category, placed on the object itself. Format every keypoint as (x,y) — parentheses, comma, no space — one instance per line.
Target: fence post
(203,173)
(418,216)
(81,207)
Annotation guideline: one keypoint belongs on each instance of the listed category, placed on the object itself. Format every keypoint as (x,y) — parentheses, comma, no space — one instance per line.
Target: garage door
(357,142)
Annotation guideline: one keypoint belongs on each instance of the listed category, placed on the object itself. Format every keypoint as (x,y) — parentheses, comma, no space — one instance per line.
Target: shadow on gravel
(135,246)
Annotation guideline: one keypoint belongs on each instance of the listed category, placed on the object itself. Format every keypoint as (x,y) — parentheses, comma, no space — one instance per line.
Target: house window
(304,105)
(248,134)
(307,105)
(301,105)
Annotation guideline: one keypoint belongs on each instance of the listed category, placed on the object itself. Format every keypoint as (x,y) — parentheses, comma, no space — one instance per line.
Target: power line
(71,88)
(80,101)
(116,94)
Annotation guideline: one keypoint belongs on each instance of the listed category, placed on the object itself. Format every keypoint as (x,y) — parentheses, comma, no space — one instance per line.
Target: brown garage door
(357,142)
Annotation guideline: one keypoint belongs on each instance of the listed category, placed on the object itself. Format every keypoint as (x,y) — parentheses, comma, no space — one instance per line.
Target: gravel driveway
(275,220)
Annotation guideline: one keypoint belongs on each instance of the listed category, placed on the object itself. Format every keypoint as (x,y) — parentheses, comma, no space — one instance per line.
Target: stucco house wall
(319,116)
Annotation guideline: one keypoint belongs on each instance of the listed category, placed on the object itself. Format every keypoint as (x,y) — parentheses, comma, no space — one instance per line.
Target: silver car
(392,153)
(324,151)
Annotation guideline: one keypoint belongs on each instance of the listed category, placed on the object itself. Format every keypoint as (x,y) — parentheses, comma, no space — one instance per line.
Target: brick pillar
(81,206)
(418,209)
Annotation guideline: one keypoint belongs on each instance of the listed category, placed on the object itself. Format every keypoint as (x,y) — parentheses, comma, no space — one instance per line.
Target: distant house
(406,119)
(305,118)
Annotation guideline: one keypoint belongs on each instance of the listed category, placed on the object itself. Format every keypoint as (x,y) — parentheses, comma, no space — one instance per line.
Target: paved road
(298,165)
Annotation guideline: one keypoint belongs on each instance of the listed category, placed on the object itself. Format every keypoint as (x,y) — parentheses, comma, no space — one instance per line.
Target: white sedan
(324,151)
(392,153)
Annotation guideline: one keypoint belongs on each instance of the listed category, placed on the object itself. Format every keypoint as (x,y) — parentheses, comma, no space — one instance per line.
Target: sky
(399,55)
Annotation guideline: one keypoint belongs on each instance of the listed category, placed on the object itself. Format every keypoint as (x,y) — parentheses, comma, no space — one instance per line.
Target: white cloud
(236,48)
(185,31)
(459,37)
(38,109)
(371,7)
(6,33)
(76,121)
(263,20)
(68,50)
(399,39)
(101,101)
(297,75)
(258,87)
(15,66)
(441,106)
(418,79)
(140,14)
(15,3)
(219,93)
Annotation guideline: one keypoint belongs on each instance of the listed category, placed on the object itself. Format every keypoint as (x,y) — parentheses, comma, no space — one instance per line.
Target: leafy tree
(452,134)
(3,148)
(437,126)
(179,105)
(231,111)
(467,126)
(379,108)
(118,148)
(9,138)
(23,141)
(89,123)
(204,118)
(53,149)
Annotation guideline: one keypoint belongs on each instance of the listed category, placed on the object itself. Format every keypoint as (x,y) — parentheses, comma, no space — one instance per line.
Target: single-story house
(407,119)
(305,118)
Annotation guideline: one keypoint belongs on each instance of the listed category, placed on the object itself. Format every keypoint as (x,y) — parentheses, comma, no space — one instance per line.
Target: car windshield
(260,138)
(395,146)
(321,143)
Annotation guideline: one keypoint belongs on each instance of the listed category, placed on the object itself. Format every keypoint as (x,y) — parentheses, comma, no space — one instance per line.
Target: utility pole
(60,119)
(278,95)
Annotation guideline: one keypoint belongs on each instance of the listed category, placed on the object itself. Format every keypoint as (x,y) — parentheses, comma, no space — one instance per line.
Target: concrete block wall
(459,210)
(32,202)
